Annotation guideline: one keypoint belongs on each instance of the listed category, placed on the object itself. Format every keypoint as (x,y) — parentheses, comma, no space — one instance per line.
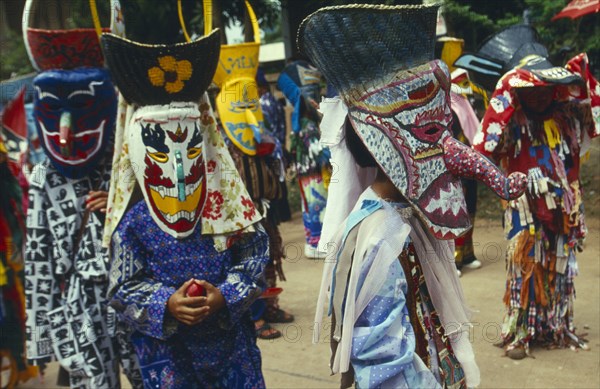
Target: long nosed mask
(380,59)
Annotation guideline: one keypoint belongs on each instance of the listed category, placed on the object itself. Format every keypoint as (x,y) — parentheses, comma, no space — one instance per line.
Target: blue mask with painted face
(75,113)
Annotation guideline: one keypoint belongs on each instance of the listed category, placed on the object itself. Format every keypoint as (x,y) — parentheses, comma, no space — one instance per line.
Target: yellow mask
(238,100)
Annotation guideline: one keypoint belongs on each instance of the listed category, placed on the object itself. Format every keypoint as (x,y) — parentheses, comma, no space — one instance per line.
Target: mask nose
(180,176)
(463,161)
(65,133)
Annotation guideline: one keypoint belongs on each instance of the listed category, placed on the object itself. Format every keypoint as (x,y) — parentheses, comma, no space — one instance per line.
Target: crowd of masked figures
(142,189)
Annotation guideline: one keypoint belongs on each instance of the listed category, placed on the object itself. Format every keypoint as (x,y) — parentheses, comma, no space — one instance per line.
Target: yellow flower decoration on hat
(170,73)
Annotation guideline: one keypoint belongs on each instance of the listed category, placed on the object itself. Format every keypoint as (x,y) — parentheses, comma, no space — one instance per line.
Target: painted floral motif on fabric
(68,317)
(148,265)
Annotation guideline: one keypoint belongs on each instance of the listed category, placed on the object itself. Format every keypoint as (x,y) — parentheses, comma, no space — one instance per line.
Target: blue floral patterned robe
(149,266)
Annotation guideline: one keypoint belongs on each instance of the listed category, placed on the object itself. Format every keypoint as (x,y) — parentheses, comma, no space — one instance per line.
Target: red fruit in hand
(195,290)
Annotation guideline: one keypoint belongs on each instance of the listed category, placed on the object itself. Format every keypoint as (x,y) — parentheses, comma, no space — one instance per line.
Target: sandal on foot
(278,316)
(265,331)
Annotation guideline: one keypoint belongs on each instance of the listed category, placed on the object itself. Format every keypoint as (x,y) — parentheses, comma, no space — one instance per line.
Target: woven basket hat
(161,74)
(50,41)
(381,61)
(356,44)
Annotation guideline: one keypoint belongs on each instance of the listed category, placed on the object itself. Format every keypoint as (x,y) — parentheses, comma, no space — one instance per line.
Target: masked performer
(15,368)
(540,121)
(399,317)
(256,156)
(75,104)
(300,83)
(274,116)
(195,226)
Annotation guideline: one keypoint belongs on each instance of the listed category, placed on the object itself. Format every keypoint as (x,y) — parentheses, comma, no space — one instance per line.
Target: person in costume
(301,84)
(399,318)
(258,157)
(66,268)
(540,121)
(464,126)
(194,225)
(274,119)
(15,368)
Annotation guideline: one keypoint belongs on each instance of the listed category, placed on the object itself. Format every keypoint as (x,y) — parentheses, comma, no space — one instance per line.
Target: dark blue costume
(149,265)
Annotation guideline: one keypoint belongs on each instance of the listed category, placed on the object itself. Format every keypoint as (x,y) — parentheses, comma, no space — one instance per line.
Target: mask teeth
(179,215)
(463,161)
(190,188)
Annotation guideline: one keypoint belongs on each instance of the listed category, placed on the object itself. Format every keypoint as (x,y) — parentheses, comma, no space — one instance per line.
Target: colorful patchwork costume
(66,268)
(13,146)
(195,220)
(546,226)
(399,317)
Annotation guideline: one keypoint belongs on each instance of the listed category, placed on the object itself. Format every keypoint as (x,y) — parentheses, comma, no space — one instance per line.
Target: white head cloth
(348,180)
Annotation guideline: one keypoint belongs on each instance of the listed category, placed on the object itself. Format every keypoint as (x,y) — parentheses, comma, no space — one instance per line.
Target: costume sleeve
(139,300)
(245,279)
(580,65)
(42,291)
(495,122)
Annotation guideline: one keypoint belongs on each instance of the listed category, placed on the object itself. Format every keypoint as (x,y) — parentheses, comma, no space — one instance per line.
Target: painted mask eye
(52,106)
(194,152)
(422,92)
(82,104)
(159,157)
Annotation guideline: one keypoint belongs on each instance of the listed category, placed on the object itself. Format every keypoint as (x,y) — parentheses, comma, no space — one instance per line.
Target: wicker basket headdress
(160,74)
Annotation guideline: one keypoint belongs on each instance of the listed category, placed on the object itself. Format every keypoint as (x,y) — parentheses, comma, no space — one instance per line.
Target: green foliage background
(475,20)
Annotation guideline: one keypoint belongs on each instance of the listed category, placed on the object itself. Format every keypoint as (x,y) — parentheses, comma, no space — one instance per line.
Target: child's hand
(188,310)
(214,299)
(96,200)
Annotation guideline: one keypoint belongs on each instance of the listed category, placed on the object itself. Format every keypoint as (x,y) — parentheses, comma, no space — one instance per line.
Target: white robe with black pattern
(68,318)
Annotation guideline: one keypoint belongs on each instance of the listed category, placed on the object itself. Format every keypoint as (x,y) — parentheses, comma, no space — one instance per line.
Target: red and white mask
(166,152)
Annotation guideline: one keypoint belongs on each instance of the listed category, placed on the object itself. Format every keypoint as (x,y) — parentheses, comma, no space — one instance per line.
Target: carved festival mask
(398,103)
(74,112)
(166,150)
(238,100)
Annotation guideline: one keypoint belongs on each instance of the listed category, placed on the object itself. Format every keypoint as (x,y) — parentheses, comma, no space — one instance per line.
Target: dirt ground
(294,362)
